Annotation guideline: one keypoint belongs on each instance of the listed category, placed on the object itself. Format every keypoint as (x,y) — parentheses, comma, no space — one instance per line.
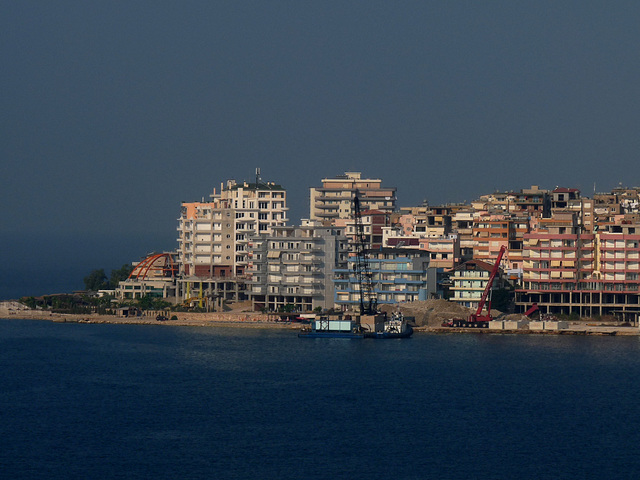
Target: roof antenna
(257,176)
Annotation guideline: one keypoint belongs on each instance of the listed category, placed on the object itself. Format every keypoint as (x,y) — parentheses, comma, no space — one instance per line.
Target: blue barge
(325,327)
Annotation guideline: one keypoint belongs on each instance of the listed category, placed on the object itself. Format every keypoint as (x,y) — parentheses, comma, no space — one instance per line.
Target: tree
(96,280)
(501,299)
(150,302)
(119,275)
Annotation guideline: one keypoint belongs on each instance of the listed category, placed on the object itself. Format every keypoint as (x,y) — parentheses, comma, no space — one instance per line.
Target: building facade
(469,281)
(334,200)
(213,237)
(569,271)
(292,268)
(397,274)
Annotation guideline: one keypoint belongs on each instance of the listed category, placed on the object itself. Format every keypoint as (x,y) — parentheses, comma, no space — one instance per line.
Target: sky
(115,112)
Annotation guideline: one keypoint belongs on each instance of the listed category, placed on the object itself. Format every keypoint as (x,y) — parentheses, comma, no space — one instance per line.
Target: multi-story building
(373,224)
(444,252)
(462,226)
(154,276)
(213,236)
(562,197)
(293,266)
(334,200)
(397,274)
(491,232)
(469,280)
(587,274)
(529,201)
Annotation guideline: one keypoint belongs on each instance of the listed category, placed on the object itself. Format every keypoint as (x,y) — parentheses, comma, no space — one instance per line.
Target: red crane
(478,317)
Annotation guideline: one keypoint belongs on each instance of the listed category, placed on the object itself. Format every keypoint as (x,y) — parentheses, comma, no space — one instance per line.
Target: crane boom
(478,317)
(368,305)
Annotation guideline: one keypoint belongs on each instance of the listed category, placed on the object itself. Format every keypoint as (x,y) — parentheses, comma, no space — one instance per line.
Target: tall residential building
(294,266)
(334,200)
(397,275)
(587,274)
(373,223)
(213,236)
(493,231)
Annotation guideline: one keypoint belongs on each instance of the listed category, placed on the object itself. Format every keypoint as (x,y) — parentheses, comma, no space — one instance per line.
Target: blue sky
(114,112)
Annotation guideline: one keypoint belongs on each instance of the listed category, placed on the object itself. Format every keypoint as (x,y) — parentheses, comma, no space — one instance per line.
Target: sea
(167,402)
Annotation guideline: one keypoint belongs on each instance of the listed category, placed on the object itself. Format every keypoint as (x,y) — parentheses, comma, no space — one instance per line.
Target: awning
(555,263)
(533,241)
(567,274)
(274,254)
(568,263)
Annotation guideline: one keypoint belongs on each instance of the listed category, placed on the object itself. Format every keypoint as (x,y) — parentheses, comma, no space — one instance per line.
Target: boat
(332,327)
(394,327)
(361,326)
(370,323)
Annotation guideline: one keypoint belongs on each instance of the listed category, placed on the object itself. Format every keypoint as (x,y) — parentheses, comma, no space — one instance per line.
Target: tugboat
(395,327)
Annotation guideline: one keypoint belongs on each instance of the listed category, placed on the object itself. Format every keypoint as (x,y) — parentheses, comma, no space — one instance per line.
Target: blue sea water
(162,402)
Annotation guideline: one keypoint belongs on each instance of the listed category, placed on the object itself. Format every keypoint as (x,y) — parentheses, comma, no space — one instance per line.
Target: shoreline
(184,319)
(256,320)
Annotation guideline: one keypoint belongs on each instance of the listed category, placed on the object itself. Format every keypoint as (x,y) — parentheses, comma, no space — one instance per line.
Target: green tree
(501,299)
(96,280)
(150,302)
(29,302)
(119,275)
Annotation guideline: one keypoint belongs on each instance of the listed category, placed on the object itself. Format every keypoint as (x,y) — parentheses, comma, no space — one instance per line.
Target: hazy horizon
(116,112)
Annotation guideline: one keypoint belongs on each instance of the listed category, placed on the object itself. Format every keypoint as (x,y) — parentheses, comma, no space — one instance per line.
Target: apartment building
(213,236)
(398,275)
(491,232)
(373,224)
(443,252)
(334,200)
(530,201)
(469,280)
(462,227)
(569,271)
(562,197)
(293,267)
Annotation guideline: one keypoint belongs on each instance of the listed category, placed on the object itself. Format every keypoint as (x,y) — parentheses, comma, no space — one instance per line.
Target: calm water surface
(126,401)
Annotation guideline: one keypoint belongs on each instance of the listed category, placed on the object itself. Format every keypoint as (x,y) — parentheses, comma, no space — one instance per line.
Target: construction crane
(477,319)
(368,301)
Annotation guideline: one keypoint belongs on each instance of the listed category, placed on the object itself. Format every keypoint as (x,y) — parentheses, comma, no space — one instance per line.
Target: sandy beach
(247,320)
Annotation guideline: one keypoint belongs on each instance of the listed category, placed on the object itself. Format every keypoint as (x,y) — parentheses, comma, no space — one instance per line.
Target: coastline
(245,320)
(258,320)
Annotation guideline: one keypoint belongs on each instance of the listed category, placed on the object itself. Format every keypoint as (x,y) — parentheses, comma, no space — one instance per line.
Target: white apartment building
(293,267)
(213,237)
